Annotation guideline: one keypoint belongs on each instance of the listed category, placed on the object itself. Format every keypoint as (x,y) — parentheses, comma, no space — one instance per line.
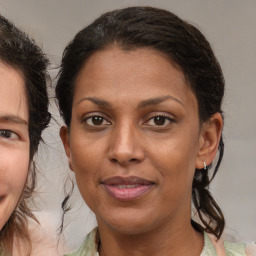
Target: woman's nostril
(114,161)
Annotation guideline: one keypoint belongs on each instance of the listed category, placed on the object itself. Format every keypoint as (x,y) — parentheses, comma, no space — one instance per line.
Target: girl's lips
(126,188)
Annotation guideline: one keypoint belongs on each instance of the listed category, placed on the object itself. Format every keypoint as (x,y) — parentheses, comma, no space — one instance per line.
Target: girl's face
(14,140)
(135,140)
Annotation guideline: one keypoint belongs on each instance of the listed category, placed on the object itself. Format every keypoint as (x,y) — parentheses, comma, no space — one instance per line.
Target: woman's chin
(128,225)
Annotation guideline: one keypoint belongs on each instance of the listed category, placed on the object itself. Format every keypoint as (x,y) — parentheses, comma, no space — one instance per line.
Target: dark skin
(134,115)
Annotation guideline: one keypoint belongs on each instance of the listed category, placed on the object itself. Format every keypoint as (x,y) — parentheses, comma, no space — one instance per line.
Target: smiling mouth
(127,188)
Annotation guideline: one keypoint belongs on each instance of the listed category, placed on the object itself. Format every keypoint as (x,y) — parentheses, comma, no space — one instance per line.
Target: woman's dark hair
(140,27)
(23,55)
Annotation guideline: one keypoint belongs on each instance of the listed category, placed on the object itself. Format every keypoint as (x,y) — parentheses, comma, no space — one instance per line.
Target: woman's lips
(127,188)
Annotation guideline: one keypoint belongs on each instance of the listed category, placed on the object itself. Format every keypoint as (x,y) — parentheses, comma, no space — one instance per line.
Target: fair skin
(14,161)
(134,142)
(14,140)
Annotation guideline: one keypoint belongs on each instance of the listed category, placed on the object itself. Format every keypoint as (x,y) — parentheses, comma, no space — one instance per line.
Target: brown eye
(96,121)
(159,120)
(7,134)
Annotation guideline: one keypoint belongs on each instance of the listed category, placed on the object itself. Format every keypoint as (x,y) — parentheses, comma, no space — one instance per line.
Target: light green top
(90,247)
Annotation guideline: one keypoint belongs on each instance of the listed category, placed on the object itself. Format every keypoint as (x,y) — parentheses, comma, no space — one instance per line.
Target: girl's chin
(5,210)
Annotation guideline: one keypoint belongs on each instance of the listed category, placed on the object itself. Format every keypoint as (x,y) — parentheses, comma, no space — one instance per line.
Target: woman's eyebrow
(157,100)
(13,119)
(142,104)
(97,101)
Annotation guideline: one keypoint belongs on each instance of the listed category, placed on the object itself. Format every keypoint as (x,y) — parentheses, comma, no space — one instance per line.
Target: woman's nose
(126,146)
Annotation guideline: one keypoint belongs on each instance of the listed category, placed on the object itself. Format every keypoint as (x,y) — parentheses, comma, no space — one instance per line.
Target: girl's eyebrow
(142,104)
(13,119)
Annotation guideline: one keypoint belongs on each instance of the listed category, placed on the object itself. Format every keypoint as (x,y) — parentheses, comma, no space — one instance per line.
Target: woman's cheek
(19,170)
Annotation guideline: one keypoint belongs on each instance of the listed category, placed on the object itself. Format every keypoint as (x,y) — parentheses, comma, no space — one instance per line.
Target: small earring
(205,166)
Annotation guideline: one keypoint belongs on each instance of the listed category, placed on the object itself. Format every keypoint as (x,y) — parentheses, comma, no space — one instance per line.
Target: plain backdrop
(230,26)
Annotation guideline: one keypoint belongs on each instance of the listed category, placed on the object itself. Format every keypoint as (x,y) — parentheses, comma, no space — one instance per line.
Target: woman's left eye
(159,120)
(7,134)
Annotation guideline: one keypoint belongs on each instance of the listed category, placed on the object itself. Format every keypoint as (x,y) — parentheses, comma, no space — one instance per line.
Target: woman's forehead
(132,77)
(116,66)
(13,94)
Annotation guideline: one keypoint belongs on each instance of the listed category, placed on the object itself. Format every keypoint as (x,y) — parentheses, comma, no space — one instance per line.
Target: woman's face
(14,140)
(134,140)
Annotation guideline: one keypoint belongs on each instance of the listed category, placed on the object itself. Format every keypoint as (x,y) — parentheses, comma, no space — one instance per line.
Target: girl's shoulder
(44,241)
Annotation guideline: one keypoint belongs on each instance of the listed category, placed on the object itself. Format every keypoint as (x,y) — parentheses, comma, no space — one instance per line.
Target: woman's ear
(209,140)
(64,135)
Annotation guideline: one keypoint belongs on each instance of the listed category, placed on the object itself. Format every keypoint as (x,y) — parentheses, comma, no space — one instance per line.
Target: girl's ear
(64,135)
(209,140)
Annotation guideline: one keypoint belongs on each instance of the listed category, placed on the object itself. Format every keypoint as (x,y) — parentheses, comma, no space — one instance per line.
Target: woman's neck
(166,240)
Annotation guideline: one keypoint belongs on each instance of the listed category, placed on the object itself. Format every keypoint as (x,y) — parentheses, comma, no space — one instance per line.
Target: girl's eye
(159,121)
(96,121)
(7,134)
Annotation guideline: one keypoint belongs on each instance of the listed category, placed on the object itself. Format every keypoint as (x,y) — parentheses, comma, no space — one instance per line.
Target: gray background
(230,27)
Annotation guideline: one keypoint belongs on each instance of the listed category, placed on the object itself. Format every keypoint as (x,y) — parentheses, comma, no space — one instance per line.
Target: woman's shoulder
(251,249)
(89,247)
(214,247)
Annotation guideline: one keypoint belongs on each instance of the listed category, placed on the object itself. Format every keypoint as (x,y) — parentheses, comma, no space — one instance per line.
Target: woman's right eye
(96,121)
(7,134)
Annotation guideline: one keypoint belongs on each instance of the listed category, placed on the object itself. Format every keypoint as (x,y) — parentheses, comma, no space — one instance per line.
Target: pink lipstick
(127,188)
